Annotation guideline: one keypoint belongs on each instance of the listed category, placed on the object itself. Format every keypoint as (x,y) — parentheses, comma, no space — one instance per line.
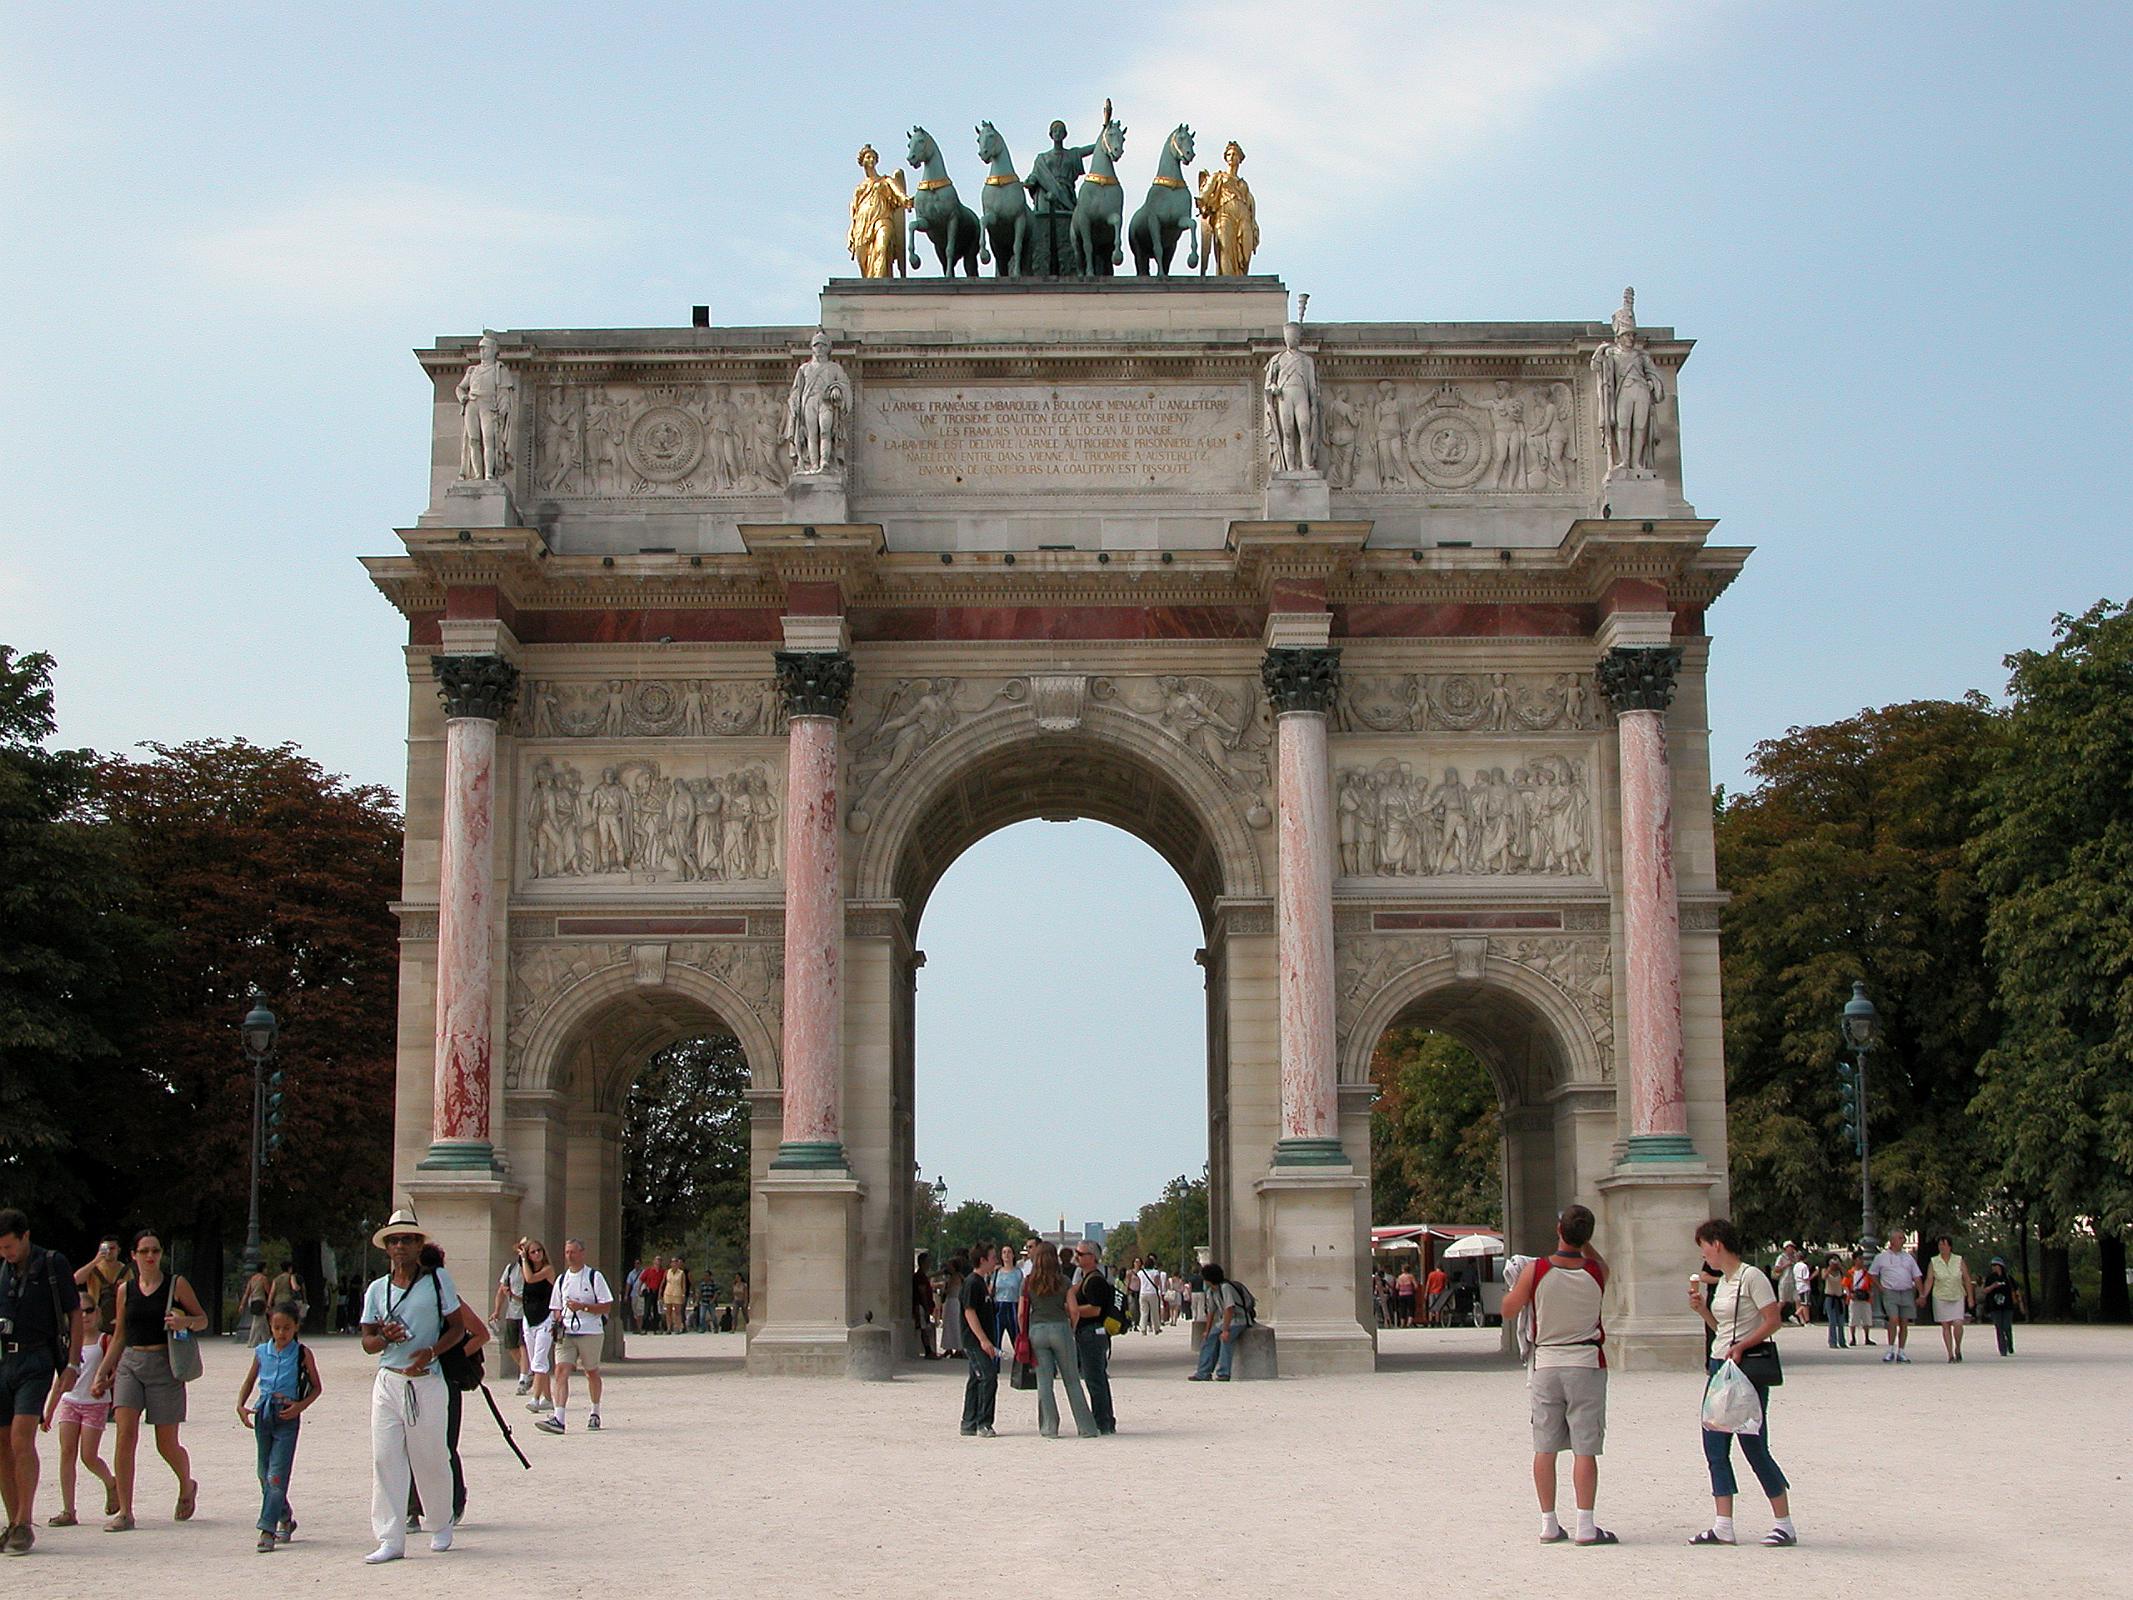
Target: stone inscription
(1030,440)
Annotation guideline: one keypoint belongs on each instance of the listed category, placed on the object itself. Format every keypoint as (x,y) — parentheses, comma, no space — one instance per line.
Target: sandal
(1710,1536)
(121,1522)
(111,1501)
(187,1498)
(1556,1537)
(1599,1536)
(64,1519)
(1778,1538)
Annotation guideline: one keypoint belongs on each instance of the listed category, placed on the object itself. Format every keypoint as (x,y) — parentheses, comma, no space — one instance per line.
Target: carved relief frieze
(637,820)
(1510,437)
(894,723)
(1226,722)
(683,708)
(685,439)
(1532,819)
(1467,702)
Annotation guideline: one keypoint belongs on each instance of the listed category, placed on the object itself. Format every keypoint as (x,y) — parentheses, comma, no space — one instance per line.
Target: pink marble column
(816,684)
(1640,683)
(477,692)
(1301,683)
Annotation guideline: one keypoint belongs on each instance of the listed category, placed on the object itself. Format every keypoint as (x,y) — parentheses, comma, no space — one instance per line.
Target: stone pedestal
(870,1355)
(804,1321)
(1298,497)
(817,498)
(473,1217)
(1648,1220)
(473,503)
(1307,1220)
(1628,496)
(1254,1360)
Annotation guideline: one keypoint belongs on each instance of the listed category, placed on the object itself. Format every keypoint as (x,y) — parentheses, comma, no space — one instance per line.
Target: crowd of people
(662,1296)
(1888,1287)
(1155,1299)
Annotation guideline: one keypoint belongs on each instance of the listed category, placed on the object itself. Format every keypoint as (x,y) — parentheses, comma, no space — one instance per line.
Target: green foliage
(973,1220)
(1436,1133)
(1122,1245)
(1169,1227)
(1847,861)
(2055,853)
(685,1155)
(68,951)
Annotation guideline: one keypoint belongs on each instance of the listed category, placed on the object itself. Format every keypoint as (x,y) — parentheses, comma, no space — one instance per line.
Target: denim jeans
(981,1391)
(1053,1345)
(2003,1325)
(276,1439)
(1718,1452)
(1093,1345)
(1215,1349)
(1837,1309)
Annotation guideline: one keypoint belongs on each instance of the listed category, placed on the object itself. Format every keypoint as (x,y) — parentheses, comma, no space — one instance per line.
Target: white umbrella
(1473,1244)
(1397,1244)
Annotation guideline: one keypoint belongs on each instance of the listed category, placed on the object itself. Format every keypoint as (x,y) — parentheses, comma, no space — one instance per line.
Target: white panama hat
(402,1222)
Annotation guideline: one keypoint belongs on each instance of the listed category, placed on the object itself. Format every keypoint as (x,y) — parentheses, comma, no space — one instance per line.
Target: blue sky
(1898,232)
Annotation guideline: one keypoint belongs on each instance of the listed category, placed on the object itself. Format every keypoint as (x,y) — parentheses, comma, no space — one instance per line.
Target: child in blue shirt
(286,1376)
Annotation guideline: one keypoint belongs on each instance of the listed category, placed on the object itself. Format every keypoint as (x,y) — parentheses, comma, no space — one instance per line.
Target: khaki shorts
(1569,1409)
(145,1383)
(580,1350)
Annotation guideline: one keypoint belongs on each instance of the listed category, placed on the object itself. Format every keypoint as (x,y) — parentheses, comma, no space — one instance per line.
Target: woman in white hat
(408,1323)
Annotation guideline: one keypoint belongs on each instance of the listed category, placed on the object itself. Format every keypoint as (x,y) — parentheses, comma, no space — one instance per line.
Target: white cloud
(381,242)
(1375,97)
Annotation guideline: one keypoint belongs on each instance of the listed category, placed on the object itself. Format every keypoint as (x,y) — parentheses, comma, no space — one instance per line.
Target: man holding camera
(408,1323)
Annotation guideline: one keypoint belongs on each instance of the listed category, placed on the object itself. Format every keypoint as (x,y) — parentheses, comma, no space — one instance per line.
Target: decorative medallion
(665,443)
(1448,443)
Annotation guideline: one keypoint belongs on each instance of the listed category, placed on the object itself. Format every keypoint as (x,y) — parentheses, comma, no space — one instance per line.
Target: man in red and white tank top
(1568,1384)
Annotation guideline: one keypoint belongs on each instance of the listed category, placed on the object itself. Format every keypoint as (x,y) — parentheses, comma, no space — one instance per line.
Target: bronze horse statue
(942,217)
(1167,212)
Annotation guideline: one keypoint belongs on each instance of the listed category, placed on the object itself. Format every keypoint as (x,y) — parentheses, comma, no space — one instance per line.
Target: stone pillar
(816,685)
(1639,682)
(477,691)
(1301,683)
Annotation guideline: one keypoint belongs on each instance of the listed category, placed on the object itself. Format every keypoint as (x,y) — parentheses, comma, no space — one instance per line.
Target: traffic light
(1848,1102)
(273,1111)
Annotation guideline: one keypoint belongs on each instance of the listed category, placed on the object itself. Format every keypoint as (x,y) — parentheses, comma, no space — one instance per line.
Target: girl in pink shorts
(81,1422)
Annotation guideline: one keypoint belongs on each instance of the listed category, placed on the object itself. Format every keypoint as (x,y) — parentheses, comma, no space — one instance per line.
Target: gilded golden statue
(1229,221)
(876,241)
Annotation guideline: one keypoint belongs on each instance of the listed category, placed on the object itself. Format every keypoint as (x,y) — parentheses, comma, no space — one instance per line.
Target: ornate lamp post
(259,1030)
(1860,1025)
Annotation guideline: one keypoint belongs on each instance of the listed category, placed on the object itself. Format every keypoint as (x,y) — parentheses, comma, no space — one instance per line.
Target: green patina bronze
(939,212)
(1050,183)
(1006,208)
(1168,210)
(1100,208)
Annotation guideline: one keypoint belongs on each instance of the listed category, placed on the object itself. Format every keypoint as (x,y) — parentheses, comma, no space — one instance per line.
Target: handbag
(182,1348)
(1021,1375)
(462,1368)
(1759,1363)
(1025,1353)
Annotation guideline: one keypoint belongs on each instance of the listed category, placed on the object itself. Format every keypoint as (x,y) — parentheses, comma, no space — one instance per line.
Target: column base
(1648,1220)
(1310,1153)
(1651,1147)
(460,1155)
(810,1155)
(803,1325)
(473,1215)
(1308,1219)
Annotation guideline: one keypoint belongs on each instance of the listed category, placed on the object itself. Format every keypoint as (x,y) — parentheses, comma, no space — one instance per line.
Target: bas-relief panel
(1581,969)
(686,708)
(1464,811)
(654,440)
(633,820)
(1466,702)
(1401,437)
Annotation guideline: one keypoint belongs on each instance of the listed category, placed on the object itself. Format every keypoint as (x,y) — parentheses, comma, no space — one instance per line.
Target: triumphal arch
(723,643)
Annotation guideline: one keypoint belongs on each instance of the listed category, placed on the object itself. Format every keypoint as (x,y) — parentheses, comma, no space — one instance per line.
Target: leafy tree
(2055,854)
(685,1152)
(928,1215)
(68,952)
(1122,1245)
(1169,1227)
(263,871)
(1847,861)
(1436,1133)
(974,1220)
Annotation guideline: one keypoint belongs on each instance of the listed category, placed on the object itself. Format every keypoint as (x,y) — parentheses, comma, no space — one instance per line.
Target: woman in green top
(1048,1307)
(1950,1291)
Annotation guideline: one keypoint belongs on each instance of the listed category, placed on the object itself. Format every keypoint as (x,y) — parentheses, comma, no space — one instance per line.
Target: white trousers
(407,1417)
(1151,1312)
(540,1345)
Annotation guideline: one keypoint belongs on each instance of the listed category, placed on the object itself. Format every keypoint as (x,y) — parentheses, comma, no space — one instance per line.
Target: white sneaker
(592,1423)
(384,1552)
(442,1538)
(525,1386)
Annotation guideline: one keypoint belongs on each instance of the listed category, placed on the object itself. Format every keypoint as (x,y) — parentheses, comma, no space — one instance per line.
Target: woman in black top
(539,1292)
(152,1308)
(1999,1298)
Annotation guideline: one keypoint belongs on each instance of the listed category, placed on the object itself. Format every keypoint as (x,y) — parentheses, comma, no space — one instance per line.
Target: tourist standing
(1742,1312)
(1788,1285)
(923,1305)
(407,1324)
(632,1295)
(154,1308)
(1094,1298)
(951,1304)
(40,1360)
(1226,1320)
(1148,1284)
(1007,1298)
(1567,1389)
(981,1390)
(1896,1278)
(585,1300)
(1859,1300)
(1998,1298)
(674,1295)
(288,1289)
(474,1333)
(1437,1297)
(99,1281)
(537,1291)
(509,1314)
(253,1297)
(738,1294)
(1951,1293)
(649,1283)
(1049,1307)
(1404,1289)
(81,1418)
(287,1379)
(1833,1301)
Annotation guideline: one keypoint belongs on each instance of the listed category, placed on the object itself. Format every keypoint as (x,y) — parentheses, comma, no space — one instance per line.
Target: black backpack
(462,1368)
(1245,1302)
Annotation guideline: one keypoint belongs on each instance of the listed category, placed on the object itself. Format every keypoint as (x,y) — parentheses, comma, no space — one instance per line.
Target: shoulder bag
(1759,1363)
(182,1348)
(462,1368)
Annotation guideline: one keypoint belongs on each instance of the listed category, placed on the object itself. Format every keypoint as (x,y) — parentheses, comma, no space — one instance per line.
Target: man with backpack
(1230,1310)
(1568,1384)
(40,1352)
(1099,1308)
(409,1322)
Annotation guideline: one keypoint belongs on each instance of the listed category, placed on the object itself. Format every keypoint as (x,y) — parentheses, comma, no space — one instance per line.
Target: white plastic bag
(1730,1403)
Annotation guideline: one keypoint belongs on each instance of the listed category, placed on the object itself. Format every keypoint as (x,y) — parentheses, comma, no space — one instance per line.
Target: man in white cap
(407,1325)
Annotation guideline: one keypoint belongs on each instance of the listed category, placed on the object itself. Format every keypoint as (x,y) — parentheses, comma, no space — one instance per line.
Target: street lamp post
(259,1030)
(1859,1024)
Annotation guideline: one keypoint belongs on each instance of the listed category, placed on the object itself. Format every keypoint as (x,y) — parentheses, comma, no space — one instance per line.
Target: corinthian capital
(1638,677)
(815,683)
(1301,677)
(475,686)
